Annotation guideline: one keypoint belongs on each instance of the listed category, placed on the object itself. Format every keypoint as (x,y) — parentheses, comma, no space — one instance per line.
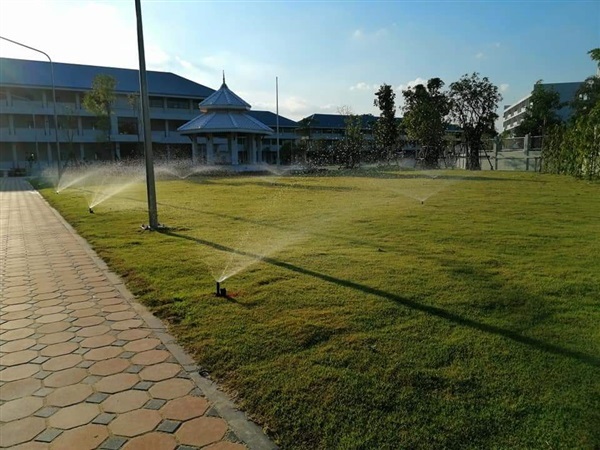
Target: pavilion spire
(224,78)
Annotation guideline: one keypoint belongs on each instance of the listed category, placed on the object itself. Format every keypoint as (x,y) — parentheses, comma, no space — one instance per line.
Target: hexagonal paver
(17,315)
(74,416)
(98,341)
(19,388)
(132,335)
(53,327)
(88,321)
(51,318)
(154,441)
(169,389)
(13,335)
(23,430)
(127,324)
(69,395)
(62,362)
(184,408)
(103,353)
(80,305)
(201,431)
(117,383)
(19,372)
(16,358)
(223,445)
(85,312)
(142,345)
(17,346)
(124,315)
(65,377)
(56,338)
(49,310)
(15,324)
(83,438)
(150,357)
(93,331)
(19,408)
(63,348)
(160,372)
(115,308)
(125,401)
(135,423)
(109,366)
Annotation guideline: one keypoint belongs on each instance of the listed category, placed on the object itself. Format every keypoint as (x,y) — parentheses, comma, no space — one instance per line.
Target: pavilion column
(210,152)
(194,149)
(253,150)
(232,142)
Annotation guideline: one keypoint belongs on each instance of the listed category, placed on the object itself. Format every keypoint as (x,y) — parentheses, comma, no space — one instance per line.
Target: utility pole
(277,108)
(150,184)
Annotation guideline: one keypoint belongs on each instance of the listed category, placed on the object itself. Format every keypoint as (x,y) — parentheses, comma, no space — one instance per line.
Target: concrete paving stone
(98,397)
(19,307)
(103,295)
(39,360)
(104,418)
(74,329)
(127,324)
(150,357)
(17,315)
(48,435)
(134,423)
(113,443)
(127,355)
(62,362)
(20,431)
(46,296)
(16,358)
(75,292)
(119,316)
(100,288)
(117,383)
(56,338)
(74,416)
(50,310)
(143,386)
(110,301)
(132,335)
(19,388)
(86,364)
(48,303)
(109,366)
(103,353)
(78,299)
(62,348)
(170,389)
(17,346)
(69,395)
(88,321)
(134,369)
(20,408)
(168,426)
(16,300)
(184,408)
(154,441)
(81,305)
(225,446)
(51,318)
(46,411)
(79,313)
(142,345)
(97,341)
(97,330)
(160,372)
(125,401)
(44,289)
(201,431)
(115,308)
(20,293)
(19,372)
(155,404)
(15,324)
(43,392)
(53,327)
(42,374)
(65,377)
(13,335)
(87,437)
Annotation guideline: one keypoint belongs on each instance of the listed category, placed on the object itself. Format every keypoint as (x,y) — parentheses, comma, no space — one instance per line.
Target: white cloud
(479,55)
(504,87)
(362,86)
(411,84)
(361,35)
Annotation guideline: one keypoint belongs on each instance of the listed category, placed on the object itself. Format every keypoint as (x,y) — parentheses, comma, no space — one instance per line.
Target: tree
(99,102)
(386,130)
(474,102)
(68,125)
(541,112)
(425,111)
(348,149)
(588,95)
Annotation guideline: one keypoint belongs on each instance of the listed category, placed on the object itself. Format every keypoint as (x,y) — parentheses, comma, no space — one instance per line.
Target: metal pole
(58,161)
(150,185)
(277,108)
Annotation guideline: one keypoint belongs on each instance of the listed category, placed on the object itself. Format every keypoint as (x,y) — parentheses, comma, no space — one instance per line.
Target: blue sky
(326,54)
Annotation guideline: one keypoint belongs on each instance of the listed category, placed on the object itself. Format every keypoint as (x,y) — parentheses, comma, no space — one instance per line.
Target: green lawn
(360,318)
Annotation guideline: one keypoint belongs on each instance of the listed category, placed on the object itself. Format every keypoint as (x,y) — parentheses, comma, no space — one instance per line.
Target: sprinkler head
(218,289)
(221,292)
(422,202)
(91,210)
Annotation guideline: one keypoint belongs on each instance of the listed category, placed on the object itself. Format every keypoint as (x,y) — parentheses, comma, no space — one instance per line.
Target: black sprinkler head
(221,292)
(422,202)
(91,211)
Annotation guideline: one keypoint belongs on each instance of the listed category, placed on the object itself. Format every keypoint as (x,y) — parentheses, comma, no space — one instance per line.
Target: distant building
(514,114)
(27,120)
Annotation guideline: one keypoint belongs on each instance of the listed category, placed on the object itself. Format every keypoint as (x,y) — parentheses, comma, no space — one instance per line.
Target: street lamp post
(58,161)
(150,185)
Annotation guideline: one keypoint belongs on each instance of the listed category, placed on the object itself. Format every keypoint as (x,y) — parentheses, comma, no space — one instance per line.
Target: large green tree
(348,150)
(425,110)
(474,102)
(588,95)
(541,112)
(386,129)
(99,101)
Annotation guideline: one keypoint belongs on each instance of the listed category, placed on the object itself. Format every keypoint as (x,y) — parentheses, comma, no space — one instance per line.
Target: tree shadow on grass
(590,360)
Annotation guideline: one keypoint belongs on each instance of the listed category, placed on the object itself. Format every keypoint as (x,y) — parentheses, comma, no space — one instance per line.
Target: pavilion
(224,132)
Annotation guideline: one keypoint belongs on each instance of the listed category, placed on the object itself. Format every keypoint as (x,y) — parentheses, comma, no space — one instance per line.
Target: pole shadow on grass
(590,360)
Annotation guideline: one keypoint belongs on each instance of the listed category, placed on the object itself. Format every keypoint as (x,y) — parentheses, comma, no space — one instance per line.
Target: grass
(373,321)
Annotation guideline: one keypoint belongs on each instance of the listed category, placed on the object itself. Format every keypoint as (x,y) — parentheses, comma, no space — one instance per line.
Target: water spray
(221,292)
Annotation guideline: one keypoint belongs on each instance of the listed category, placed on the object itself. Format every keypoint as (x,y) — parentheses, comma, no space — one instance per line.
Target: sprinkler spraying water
(221,292)
(91,210)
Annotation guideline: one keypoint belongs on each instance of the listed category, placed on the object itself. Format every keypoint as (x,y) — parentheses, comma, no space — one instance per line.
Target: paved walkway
(82,365)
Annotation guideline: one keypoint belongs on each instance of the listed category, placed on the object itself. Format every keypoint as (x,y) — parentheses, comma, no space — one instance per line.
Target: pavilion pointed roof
(224,98)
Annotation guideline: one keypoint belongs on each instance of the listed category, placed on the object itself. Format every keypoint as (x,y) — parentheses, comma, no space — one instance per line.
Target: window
(156,102)
(178,103)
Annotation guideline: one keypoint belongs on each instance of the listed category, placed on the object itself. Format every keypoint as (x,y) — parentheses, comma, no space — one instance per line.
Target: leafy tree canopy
(385,129)
(541,111)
